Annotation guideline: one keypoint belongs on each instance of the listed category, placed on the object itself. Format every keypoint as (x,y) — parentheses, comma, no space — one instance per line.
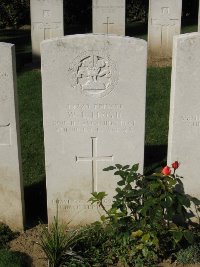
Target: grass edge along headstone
(11,184)
(184,122)
(94,93)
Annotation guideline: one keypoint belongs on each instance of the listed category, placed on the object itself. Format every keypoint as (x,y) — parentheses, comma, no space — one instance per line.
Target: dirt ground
(27,244)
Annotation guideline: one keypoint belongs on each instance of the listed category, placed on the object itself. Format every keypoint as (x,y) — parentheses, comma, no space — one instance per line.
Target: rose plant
(150,214)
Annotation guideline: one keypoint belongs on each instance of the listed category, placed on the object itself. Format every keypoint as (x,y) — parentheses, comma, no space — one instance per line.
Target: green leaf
(120,183)
(145,251)
(130,179)
(119,166)
(145,237)
(168,201)
(135,167)
(189,236)
(118,190)
(103,218)
(177,235)
(137,233)
(195,201)
(125,167)
(110,168)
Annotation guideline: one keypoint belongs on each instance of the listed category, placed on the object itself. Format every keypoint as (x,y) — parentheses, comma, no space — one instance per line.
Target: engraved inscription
(93,73)
(94,159)
(191,120)
(94,118)
(69,204)
(164,22)
(5,135)
(46,13)
(46,25)
(165,10)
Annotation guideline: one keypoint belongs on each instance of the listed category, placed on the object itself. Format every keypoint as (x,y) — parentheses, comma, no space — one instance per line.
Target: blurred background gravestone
(46,22)
(164,22)
(109,16)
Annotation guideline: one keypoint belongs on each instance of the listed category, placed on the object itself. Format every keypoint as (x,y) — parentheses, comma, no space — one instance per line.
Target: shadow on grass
(154,157)
(136,29)
(22,41)
(14,258)
(35,204)
(23,58)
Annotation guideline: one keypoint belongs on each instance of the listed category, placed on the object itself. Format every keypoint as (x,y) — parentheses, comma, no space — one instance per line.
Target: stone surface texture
(11,188)
(94,116)
(109,16)
(164,22)
(46,22)
(184,128)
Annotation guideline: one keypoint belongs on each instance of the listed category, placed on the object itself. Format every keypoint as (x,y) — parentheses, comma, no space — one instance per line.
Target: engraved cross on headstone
(107,24)
(165,25)
(94,159)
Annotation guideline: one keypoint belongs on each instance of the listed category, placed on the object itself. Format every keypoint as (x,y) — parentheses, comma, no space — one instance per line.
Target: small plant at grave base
(57,243)
(144,214)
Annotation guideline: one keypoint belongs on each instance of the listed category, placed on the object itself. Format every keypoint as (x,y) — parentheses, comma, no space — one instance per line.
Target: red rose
(166,170)
(175,165)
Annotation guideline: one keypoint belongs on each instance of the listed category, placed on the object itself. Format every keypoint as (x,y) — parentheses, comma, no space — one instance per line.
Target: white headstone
(184,128)
(164,22)
(46,22)
(11,188)
(109,16)
(94,117)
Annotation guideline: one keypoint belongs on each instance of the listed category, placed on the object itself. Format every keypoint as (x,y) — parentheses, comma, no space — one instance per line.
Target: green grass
(30,110)
(11,259)
(157,105)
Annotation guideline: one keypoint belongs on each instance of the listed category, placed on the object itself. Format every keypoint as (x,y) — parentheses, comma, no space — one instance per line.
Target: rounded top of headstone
(6,44)
(95,37)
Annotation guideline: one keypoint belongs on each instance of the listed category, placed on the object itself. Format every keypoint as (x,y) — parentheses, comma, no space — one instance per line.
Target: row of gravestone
(94,116)
(109,17)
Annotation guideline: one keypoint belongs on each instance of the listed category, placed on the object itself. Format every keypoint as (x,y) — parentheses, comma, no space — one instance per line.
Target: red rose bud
(175,165)
(166,170)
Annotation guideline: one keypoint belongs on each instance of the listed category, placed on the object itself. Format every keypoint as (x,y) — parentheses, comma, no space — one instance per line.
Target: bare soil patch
(27,243)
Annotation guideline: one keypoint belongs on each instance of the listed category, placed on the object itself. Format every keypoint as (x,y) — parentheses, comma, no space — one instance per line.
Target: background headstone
(46,22)
(11,188)
(109,16)
(164,22)
(94,117)
(184,128)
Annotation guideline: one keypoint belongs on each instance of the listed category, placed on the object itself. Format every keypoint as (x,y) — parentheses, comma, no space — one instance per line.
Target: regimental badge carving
(94,74)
